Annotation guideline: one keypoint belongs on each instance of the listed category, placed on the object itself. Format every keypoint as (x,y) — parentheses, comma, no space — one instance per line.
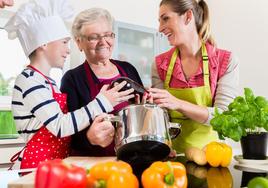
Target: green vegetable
(244,115)
(258,182)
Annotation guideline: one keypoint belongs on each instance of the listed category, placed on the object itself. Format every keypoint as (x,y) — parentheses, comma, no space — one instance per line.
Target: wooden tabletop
(27,181)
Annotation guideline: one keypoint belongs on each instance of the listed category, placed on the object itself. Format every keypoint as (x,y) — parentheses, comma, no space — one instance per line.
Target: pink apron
(94,90)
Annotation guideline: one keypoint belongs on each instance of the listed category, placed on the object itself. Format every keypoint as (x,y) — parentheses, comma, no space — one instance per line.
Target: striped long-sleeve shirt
(33,106)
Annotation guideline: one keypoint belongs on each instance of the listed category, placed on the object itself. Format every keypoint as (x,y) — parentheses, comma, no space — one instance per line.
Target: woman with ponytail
(194,77)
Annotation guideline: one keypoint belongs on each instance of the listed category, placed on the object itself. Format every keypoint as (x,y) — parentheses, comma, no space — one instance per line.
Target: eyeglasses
(96,38)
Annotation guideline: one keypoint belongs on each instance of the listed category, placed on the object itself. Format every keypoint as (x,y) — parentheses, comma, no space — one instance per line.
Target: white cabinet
(9,147)
(163,44)
(136,45)
(139,45)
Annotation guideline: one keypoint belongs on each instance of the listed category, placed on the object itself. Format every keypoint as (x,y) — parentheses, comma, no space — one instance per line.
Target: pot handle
(174,129)
(113,118)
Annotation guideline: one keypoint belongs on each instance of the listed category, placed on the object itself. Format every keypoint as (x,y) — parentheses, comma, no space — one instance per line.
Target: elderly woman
(93,33)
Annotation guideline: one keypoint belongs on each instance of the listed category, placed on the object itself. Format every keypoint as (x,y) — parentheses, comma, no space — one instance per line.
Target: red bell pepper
(56,174)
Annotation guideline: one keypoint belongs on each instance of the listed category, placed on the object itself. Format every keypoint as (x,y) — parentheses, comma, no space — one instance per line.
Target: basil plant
(246,114)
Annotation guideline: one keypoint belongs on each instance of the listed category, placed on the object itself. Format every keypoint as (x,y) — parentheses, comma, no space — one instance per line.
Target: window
(12,60)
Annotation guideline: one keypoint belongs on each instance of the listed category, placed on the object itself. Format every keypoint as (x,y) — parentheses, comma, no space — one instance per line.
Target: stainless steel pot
(143,133)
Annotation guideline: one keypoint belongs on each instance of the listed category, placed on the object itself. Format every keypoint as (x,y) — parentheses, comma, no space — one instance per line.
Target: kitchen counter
(12,141)
(27,181)
(9,147)
(198,176)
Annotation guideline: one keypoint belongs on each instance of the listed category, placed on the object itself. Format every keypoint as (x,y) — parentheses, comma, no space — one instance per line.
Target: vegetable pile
(110,174)
(215,154)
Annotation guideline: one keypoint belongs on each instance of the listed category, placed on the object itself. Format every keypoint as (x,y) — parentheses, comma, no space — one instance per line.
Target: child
(38,107)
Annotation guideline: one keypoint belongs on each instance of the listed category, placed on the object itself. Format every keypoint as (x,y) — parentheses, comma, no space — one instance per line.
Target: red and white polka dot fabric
(44,145)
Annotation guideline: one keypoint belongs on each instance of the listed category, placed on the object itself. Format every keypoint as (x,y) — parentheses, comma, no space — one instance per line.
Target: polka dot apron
(44,145)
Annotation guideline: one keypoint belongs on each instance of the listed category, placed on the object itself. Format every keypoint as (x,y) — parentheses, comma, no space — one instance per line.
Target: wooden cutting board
(27,181)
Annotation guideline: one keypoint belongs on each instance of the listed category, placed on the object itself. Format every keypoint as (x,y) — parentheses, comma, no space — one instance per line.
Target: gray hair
(90,16)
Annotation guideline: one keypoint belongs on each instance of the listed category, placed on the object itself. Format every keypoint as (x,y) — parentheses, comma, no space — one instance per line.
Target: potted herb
(245,120)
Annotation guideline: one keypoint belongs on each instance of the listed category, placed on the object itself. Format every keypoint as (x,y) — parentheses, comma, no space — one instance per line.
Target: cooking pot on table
(143,133)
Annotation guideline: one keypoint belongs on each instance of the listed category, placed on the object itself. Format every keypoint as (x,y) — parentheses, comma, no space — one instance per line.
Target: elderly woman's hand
(113,94)
(101,132)
(4,3)
(164,99)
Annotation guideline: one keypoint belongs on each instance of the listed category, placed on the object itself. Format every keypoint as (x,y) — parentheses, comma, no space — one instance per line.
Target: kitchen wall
(242,26)
(239,25)
(130,11)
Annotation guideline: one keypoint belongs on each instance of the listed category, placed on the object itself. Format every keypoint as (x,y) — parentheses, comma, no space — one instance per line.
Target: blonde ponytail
(204,31)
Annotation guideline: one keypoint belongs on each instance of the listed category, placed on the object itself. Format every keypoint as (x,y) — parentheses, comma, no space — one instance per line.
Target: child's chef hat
(39,22)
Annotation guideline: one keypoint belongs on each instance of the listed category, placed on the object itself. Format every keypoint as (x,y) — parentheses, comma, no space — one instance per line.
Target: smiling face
(172,25)
(57,52)
(97,40)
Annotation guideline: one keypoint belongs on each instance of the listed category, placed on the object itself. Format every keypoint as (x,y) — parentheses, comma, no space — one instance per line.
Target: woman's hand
(172,153)
(146,98)
(113,94)
(164,99)
(101,132)
(4,3)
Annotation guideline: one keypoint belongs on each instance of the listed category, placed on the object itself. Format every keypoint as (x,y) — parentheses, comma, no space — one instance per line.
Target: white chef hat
(39,22)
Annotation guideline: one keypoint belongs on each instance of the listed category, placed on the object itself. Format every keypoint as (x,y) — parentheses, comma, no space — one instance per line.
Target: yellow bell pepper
(219,178)
(218,154)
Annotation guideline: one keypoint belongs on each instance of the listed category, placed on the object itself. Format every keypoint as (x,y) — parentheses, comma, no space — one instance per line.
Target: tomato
(258,182)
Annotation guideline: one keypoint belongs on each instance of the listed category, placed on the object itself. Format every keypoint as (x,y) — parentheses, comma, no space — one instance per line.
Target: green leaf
(261,102)
(248,95)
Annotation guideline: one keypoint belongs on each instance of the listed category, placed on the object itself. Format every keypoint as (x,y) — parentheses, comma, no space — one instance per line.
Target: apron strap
(91,84)
(205,65)
(94,89)
(15,157)
(35,69)
(120,69)
(173,61)
(170,68)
